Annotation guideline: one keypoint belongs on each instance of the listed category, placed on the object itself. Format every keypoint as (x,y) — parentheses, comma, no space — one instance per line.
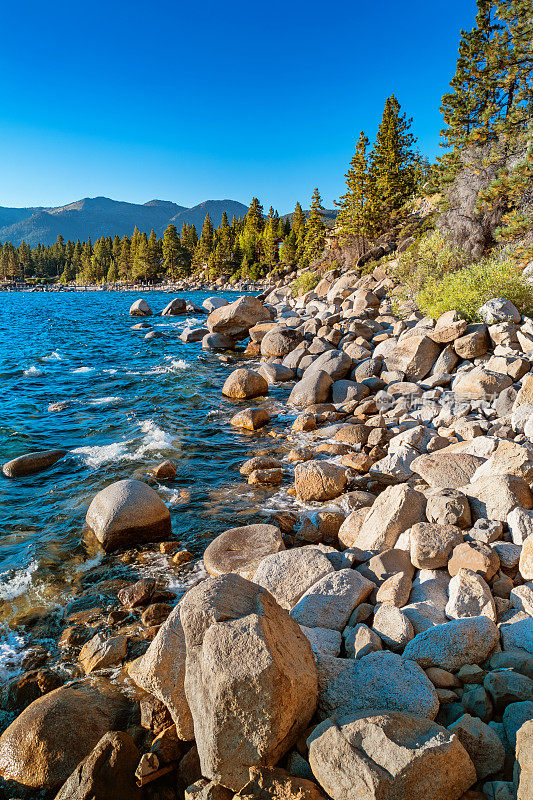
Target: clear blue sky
(189,101)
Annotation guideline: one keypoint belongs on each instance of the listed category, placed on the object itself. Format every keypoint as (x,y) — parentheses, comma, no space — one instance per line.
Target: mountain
(100,216)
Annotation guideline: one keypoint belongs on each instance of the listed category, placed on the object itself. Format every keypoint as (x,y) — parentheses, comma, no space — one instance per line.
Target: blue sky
(194,101)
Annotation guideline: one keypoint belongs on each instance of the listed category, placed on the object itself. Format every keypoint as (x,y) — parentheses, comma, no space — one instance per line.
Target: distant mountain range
(100,216)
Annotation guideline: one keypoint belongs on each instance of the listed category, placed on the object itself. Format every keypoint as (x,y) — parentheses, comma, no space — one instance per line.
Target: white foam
(104,401)
(12,647)
(32,371)
(82,369)
(179,363)
(155,438)
(99,454)
(53,357)
(85,566)
(18,583)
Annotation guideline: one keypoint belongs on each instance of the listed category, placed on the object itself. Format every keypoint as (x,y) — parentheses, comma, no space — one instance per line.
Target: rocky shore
(369,639)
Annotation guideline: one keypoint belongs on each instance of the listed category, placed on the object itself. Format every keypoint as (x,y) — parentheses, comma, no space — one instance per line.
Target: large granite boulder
(319,480)
(140,308)
(175,308)
(394,511)
(45,743)
(240,550)
(414,356)
(30,463)
(312,389)
(242,384)
(128,513)
(236,319)
(454,644)
(383,755)
(250,678)
(289,574)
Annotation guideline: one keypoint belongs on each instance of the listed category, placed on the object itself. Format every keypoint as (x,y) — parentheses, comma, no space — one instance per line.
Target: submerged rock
(30,463)
(127,513)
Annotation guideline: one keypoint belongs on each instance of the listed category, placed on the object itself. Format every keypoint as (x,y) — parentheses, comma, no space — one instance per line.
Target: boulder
(336,363)
(217,341)
(289,574)
(496,496)
(526,559)
(395,510)
(240,550)
(480,383)
(430,545)
(482,744)
(107,773)
(524,759)
(236,319)
(474,343)
(312,389)
(251,419)
(140,308)
(499,310)
(475,557)
(448,327)
(100,652)
(243,384)
(259,462)
(393,627)
(448,507)
(128,513)
(161,672)
(30,463)
(176,308)
(446,470)
(377,680)
(210,303)
(45,743)
(244,652)
(330,601)
(454,644)
(190,335)
(520,524)
(414,356)
(276,373)
(319,480)
(509,458)
(273,783)
(279,342)
(470,596)
(343,391)
(383,755)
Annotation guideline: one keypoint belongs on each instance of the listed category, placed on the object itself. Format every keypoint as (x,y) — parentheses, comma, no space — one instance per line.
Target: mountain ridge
(102,216)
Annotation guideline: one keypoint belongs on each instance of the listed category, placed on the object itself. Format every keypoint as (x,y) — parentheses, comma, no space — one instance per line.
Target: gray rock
(176,308)
(451,646)
(312,389)
(331,600)
(289,574)
(481,743)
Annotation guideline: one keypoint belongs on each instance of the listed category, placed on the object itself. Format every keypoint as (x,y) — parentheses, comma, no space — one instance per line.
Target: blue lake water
(127,404)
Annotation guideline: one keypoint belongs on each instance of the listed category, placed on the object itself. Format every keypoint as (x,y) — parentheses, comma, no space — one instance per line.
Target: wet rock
(289,574)
(482,744)
(30,463)
(319,480)
(166,470)
(430,545)
(161,672)
(331,600)
(243,384)
(107,773)
(259,462)
(177,307)
(190,335)
(454,644)
(251,419)
(312,389)
(128,513)
(242,646)
(387,755)
(140,308)
(236,319)
(241,550)
(23,689)
(45,744)
(217,341)
(100,652)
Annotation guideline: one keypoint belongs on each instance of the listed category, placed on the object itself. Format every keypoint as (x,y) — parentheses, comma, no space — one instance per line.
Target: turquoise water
(126,404)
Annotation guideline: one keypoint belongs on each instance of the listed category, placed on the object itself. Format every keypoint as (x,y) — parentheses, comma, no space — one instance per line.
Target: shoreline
(360,438)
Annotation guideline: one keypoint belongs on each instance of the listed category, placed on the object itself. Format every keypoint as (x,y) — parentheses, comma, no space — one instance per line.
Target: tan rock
(480,383)
(45,743)
(273,783)
(319,480)
(100,652)
(449,327)
(236,319)
(430,545)
(351,527)
(470,596)
(250,418)
(266,477)
(446,470)
(525,394)
(474,556)
(166,470)
(240,550)
(383,755)
(244,652)
(394,511)
(526,559)
(259,462)
(289,574)
(414,356)
(524,757)
(474,343)
(243,384)
(495,497)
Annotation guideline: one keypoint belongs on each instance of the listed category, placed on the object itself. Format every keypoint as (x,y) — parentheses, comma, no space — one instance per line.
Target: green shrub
(429,258)
(467,289)
(304,283)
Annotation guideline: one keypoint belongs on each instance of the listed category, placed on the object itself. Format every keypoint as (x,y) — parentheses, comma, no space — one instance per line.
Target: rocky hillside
(100,216)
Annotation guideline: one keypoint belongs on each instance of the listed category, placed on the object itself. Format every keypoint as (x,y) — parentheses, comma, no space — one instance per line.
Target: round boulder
(243,383)
(127,513)
(140,308)
(241,549)
(175,308)
(31,463)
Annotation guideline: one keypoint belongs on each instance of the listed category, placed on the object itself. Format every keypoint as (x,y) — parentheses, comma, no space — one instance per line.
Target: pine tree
(392,167)
(352,219)
(298,226)
(171,250)
(314,231)
(254,218)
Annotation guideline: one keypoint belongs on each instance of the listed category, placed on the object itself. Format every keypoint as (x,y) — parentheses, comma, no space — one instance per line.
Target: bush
(467,289)
(305,282)
(429,258)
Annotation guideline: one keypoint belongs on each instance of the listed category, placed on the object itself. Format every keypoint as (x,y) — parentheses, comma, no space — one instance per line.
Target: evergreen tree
(392,167)
(352,219)
(314,231)
(298,226)
(171,250)
(254,217)
(205,245)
